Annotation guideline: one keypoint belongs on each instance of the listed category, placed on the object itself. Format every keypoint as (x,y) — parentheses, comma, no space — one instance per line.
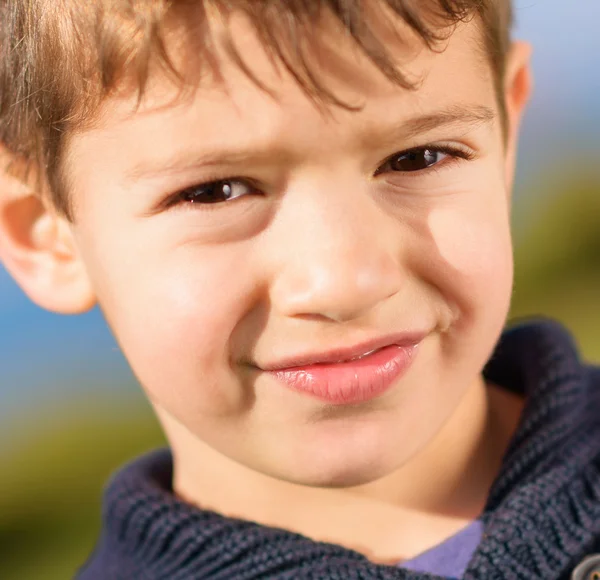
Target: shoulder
(593,376)
(594,373)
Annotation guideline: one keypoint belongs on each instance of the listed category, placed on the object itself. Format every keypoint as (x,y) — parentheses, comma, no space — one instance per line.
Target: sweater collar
(543,515)
(540,520)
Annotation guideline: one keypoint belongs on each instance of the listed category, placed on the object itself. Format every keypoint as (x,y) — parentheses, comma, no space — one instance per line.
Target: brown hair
(60,58)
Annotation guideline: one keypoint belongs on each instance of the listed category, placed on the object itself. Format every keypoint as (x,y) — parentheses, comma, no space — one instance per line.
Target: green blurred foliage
(51,484)
(557,257)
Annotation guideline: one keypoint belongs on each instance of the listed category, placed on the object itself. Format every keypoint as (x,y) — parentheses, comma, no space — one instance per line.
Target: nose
(337,256)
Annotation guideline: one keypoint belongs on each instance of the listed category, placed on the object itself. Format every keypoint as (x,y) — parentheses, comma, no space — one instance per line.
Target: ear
(37,246)
(518,85)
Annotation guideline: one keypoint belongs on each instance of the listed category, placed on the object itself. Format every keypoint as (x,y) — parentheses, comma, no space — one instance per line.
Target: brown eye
(415,160)
(215,192)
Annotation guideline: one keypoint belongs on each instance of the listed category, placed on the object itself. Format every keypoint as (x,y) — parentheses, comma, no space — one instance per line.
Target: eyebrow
(469,116)
(459,116)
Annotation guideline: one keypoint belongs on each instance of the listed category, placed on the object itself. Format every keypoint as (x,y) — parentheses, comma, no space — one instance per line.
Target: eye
(416,160)
(422,158)
(215,192)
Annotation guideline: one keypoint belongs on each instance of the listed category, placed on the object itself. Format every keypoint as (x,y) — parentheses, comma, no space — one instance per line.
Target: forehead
(258,101)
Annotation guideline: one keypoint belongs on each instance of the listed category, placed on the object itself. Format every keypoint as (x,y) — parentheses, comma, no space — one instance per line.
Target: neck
(428,499)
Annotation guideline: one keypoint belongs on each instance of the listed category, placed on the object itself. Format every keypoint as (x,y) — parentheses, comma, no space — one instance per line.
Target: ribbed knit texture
(542,517)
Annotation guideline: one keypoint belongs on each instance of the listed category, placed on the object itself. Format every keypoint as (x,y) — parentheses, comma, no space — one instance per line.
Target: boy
(295,217)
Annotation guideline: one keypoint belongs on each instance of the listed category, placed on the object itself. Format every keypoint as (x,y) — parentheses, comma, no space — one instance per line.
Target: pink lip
(349,376)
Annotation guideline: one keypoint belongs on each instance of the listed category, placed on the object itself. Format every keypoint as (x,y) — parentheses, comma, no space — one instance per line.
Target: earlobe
(518,86)
(37,247)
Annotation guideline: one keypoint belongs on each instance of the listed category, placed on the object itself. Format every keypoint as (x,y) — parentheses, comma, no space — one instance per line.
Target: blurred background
(71,412)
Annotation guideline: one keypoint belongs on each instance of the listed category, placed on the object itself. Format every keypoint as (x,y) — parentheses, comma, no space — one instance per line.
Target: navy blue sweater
(541,520)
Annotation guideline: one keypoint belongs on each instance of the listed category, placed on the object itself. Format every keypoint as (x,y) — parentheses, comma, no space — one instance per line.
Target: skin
(201,297)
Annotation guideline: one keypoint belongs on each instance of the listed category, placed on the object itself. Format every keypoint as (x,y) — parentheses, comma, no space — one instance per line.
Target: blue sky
(43,356)
(566,42)
(564,115)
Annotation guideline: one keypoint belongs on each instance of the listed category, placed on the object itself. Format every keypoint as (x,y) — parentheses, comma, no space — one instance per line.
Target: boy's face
(330,240)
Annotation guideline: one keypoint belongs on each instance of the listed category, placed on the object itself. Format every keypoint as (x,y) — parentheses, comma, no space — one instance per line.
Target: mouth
(346,354)
(349,375)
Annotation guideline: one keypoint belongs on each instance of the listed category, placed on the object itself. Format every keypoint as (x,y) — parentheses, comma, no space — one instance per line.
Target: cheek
(473,243)
(174,316)
(470,244)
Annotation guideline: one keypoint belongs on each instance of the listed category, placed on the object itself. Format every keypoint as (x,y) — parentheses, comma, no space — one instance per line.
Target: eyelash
(455,154)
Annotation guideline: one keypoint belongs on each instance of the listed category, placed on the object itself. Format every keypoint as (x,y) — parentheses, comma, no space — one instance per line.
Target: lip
(349,375)
(345,354)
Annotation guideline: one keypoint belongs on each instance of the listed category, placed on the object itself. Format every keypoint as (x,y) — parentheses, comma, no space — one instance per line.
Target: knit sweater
(542,517)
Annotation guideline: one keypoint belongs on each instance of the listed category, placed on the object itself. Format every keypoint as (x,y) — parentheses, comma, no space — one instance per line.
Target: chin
(341,462)
(344,473)
(348,478)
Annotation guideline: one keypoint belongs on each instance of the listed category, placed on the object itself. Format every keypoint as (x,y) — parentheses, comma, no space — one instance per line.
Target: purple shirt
(451,557)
